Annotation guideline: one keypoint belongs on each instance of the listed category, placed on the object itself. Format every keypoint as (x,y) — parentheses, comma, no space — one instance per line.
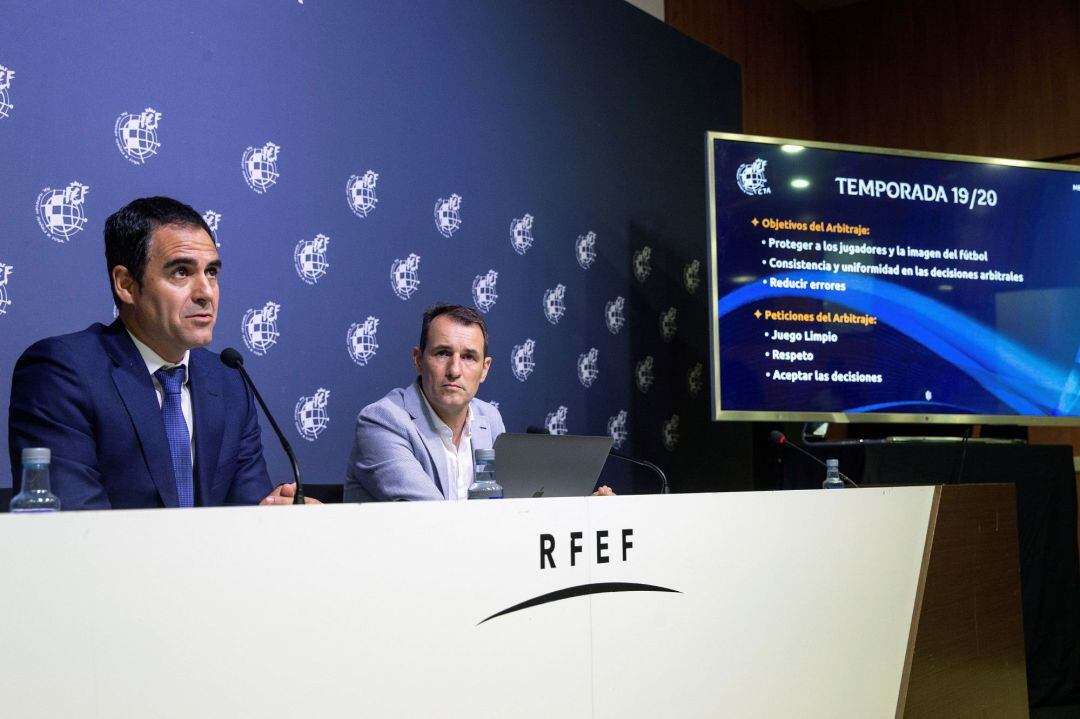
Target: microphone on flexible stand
(232,358)
(778,437)
(664,488)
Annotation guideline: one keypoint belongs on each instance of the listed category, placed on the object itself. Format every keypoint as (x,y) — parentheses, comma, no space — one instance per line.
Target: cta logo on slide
(751,178)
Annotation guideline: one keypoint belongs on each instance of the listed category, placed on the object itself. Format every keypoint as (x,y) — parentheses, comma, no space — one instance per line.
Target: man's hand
(284,493)
(603,491)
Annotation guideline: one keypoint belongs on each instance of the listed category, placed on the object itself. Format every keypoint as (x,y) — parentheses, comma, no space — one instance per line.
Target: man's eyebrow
(188,261)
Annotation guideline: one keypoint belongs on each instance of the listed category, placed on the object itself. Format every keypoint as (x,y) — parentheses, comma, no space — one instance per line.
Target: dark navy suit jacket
(88,397)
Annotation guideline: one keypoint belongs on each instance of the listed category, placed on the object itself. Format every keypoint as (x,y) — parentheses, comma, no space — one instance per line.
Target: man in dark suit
(137,414)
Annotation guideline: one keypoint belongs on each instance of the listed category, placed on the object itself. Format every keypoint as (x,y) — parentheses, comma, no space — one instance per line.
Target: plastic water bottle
(484,485)
(35,495)
(832,475)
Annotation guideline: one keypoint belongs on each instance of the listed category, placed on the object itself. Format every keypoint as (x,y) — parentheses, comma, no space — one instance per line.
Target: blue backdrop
(359,161)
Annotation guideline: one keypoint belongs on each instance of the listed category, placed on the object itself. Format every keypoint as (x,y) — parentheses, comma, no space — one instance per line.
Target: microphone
(664,489)
(232,358)
(778,437)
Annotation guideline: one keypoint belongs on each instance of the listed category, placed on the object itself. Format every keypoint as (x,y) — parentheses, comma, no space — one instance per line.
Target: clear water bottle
(35,495)
(484,485)
(832,475)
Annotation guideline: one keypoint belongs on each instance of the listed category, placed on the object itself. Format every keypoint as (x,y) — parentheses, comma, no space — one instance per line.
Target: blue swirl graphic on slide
(1015,375)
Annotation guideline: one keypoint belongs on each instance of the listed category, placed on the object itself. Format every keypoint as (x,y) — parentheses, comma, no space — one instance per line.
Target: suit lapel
(208,407)
(481,430)
(428,433)
(136,390)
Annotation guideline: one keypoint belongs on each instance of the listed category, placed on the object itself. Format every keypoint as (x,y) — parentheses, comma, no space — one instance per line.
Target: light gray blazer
(397,452)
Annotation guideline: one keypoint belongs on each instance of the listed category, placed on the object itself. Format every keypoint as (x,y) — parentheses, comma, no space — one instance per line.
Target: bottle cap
(832,463)
(36,455)
(484,455)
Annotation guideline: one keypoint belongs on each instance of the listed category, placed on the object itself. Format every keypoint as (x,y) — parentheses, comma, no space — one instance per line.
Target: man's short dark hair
(129,229)
(458,313)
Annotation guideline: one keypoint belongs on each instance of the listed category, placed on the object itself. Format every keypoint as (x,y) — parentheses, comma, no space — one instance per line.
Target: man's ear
(417,353)
(124,285)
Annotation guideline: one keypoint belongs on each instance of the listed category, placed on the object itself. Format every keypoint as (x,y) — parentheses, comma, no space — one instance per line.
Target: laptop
(549,465)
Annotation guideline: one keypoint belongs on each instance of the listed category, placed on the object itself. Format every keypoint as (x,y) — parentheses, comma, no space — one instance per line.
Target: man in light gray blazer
(416,443)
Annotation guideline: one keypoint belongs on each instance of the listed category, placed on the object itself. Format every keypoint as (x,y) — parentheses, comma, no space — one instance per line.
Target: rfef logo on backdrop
(5,298)
(695,379)
(556,421)
(405,276)
(360,193)
(483,291)
(448,215)
(670,433)
(751,178)
(585,249)
(613,315)
(310,415)
(642,263)
(587,367)
(616,428)
(521,360)
(60,212)
(5,84)
(643,374)
(691,276)
(260,167)
(521,238)
(554,308)
(361,340)
(213,221)
(309,258)
(260,328)
(667,324)
(136,135)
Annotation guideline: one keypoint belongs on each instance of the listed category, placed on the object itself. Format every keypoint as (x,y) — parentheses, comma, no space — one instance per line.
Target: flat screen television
(860,284)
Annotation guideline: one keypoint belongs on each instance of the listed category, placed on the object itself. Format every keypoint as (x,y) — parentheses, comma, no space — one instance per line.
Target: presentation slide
(892,285)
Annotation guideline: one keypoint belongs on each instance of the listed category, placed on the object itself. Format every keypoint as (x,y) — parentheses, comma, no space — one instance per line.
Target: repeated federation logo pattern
(448,215)
(310,414)
(260,329)
(556,421)
(213,221)
(405,276)
(6,105)
(613,315)
(521,360)
(60,212)
(643,374)
(360,193)
(616,427)
(751,178)
(5,297)
(588,368)
(361,340)
(695,379)
(585,249)
(483,291)
(309,258)
(691,276)
(554,305)
(136,135)
(670,433)
(642,266)
(521,237)
(667,325)
(260,167)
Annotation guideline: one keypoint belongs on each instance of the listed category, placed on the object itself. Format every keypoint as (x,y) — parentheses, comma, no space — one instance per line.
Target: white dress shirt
(154,362)
(459,460)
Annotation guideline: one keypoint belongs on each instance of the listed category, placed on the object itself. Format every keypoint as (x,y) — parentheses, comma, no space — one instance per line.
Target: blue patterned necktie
(176,430)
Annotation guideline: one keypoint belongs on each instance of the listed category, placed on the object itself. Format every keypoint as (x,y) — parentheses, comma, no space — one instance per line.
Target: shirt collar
(441,427)
(154,362)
